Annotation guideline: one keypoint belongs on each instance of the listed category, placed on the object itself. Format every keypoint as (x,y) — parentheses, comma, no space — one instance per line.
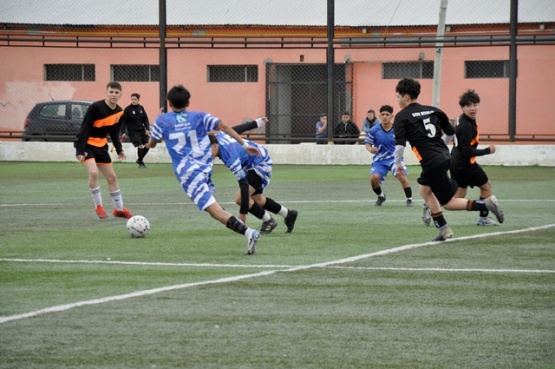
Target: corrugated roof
(270,12)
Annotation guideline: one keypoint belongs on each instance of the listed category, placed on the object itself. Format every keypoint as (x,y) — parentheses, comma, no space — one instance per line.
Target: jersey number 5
(429,127)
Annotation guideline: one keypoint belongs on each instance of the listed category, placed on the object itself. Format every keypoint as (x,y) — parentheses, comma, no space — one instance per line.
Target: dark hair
(408,86)
(469,97)
(387,108)
(347,113)
(323,115)
(178,96)
(213,139)
(115,85)
(134,94)
(371,111)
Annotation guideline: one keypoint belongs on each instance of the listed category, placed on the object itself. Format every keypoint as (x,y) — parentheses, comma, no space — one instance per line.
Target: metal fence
(244,70)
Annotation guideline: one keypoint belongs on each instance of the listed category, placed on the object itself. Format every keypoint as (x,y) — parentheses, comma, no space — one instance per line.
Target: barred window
(423,69)
(486,69)
(69,72)
(136,73)
(233,73)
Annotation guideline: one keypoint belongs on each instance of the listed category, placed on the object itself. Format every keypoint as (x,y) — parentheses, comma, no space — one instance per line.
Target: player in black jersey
(428,130)
(134,124)
(91,149)
(464,168)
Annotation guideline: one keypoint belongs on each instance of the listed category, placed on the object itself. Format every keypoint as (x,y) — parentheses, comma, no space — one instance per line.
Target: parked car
(58,120)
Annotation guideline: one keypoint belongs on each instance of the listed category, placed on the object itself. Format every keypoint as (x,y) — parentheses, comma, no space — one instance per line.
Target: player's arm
(445,124)
(398,156)
(228,130)
(255,124)
(369,142)
(81,140)
(114,132)
(152,142)
(400,142)
(146,123)
(123,124)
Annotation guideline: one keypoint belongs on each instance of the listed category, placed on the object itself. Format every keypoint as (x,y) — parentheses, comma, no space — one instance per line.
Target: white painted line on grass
(470,270)
(145,263)
(153,291)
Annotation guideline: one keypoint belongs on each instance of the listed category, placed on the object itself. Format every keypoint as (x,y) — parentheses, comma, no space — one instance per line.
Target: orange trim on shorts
(417,154)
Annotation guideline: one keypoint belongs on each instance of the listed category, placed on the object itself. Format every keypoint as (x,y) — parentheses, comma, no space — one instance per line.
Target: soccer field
(354,285)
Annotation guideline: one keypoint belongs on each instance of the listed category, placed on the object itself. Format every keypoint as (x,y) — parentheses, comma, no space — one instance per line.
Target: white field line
(149,263)
(457,270)
(153,291)
(270,266)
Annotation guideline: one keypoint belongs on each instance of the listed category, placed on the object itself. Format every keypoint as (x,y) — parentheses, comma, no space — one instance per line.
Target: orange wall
(22,84)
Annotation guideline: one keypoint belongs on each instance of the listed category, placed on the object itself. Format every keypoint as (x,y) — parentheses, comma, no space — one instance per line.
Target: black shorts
(100,154)
(442,186)
(469,175)
(137,138)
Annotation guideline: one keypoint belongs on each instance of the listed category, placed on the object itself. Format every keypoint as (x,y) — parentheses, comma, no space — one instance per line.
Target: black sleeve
(464,139)
(240,128)
(115,135)
(444,123)
(81,140)
(146,123)
(122,122)
(245,198)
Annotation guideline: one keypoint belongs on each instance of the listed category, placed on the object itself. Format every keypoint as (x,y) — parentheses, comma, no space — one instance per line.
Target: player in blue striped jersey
(185,134)
(252,172)
(380,142)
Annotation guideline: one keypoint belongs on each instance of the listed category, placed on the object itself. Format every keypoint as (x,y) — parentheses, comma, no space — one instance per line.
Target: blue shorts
(382,168)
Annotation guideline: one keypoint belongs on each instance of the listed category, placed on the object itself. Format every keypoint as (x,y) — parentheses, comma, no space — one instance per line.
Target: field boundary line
(65,307)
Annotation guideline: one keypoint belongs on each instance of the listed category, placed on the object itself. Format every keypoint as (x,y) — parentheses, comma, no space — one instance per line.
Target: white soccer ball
(138,226)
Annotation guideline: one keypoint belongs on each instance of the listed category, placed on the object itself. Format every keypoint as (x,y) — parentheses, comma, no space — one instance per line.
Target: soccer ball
(138,226)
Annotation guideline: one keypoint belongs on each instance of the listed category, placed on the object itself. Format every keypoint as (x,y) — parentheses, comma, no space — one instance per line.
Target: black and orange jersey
(422,126)
(100,121)
(467,140)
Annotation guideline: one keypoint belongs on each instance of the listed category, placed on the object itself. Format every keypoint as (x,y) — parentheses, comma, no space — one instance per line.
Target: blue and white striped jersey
(186,137)
(239,162)
(384,141)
